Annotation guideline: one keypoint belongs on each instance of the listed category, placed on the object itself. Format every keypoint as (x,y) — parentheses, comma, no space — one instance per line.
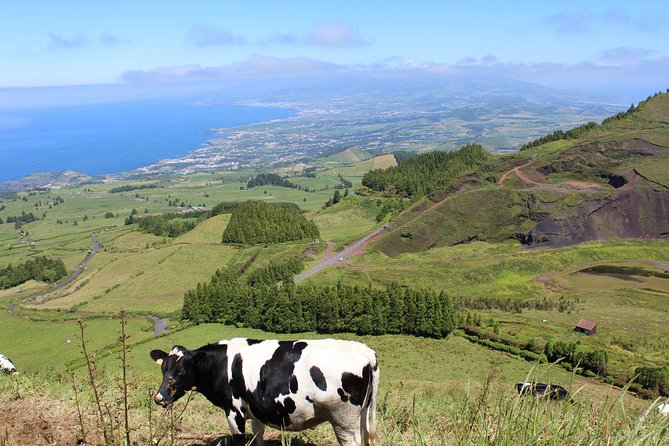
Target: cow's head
(178,374)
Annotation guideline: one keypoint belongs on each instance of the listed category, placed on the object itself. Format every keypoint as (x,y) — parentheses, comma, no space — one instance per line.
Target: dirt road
(518,173)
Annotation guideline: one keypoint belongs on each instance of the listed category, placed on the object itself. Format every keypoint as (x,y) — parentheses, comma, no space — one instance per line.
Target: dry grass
(42,413)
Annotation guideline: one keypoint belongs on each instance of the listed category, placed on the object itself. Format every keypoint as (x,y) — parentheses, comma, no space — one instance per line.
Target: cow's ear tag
(159,361)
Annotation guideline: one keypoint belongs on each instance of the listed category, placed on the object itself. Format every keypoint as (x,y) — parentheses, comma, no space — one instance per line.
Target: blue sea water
(113,137)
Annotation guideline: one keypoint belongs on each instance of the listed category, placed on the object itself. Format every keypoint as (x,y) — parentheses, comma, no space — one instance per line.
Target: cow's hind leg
(348,435)
(258,431)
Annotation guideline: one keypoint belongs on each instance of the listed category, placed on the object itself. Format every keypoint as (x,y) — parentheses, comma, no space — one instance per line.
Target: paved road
(339,257)
(159,325)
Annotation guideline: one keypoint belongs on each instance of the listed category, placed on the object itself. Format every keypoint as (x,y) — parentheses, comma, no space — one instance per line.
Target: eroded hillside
(611,182)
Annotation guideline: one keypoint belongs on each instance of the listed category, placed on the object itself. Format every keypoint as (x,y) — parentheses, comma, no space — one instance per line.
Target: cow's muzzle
(162,401)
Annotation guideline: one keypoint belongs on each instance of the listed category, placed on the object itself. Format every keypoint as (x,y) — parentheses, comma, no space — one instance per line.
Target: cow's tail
(368,415)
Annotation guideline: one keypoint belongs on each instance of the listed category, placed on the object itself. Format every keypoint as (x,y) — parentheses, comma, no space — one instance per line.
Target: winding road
(159,324)
(518,173)
(39,298)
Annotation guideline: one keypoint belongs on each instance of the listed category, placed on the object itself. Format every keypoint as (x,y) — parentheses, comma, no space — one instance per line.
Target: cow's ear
(158,356)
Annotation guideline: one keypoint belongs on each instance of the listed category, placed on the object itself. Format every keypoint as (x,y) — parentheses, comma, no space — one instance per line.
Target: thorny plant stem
(124,374)
(94,386)
(76,400)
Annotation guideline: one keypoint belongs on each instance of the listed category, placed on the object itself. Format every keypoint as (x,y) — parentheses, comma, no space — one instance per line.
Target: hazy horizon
(607,47)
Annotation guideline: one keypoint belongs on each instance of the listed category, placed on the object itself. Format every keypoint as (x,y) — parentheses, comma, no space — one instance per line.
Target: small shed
(586,327)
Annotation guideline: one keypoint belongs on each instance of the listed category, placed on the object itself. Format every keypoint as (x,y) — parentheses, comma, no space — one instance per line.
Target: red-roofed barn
(586,327)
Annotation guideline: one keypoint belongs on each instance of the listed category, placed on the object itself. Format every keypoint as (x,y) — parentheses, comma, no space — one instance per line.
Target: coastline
(191,159)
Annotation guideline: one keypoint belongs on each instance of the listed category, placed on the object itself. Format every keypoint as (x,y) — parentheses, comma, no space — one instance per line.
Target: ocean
(113,137)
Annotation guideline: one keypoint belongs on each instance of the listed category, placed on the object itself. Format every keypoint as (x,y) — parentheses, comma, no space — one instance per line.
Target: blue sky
(572,44)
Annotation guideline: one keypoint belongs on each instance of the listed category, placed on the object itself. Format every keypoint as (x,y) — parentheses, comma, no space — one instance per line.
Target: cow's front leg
(258,431)
(237,425)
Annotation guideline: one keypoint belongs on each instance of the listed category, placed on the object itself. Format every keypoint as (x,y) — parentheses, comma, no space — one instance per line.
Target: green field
(38,342)
(350,219)
(631,318)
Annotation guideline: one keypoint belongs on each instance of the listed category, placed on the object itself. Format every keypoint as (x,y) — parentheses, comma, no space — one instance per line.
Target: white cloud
(58,42)
(624,55)
(203,35)
(335,34)
(107,39)
(255,66)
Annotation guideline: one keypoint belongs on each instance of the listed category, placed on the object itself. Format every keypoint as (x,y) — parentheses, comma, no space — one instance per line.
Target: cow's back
(297,384)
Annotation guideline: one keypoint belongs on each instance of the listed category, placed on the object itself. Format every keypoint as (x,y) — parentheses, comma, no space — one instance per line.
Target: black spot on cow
(293,384)
(318,378)
(253,341)
(211,366)
(237,383)
(240,422)
(356,386)
(275,380)
(308,398)
(342,395)
(289,405)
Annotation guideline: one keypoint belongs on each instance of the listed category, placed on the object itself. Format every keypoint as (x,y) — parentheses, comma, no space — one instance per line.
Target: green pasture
(37,345)
(347,220)
(631,316)
(446,362)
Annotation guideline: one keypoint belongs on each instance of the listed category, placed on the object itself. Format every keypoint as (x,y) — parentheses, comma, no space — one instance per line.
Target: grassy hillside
(350,219)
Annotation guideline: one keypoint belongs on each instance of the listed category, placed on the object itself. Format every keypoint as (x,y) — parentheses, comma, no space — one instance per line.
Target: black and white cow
(541,390)
(7,366)
(290,385)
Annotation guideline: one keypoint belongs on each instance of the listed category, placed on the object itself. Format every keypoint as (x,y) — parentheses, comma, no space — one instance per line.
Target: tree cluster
(225,207)
(336,198)
(344,183)
(632,109)
(421,174)
(43,269)
(558,135)
(129,188)
(655,379)
(23,218)
(166,225)
(288,308)
(595,361)
(264,179)
(511,305)
(570,354)
(390,206)
(254,222)
(275,272)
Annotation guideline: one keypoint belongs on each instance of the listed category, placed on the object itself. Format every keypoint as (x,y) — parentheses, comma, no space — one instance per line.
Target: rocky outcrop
(636,210)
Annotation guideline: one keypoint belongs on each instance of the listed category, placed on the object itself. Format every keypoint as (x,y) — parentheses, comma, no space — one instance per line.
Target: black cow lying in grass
(290,385)
(541,390)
